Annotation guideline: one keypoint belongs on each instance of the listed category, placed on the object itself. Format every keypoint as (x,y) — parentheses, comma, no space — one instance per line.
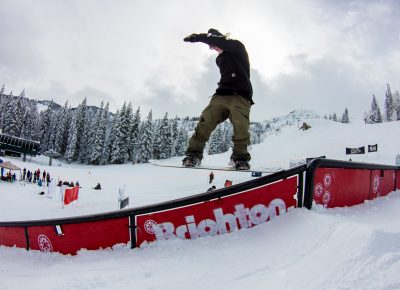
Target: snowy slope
(343,248)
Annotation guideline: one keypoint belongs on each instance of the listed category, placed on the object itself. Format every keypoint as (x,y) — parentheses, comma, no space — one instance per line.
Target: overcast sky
(321,55)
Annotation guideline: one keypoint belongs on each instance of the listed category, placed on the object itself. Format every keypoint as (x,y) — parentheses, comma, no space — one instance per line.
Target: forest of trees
(374,115)
(95,136)
(391,108)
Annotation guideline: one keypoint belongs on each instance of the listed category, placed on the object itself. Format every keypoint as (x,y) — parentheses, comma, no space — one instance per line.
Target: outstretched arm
(218,41)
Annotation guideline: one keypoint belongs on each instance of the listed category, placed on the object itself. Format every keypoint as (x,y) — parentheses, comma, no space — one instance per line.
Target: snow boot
(190,161)
(242,165)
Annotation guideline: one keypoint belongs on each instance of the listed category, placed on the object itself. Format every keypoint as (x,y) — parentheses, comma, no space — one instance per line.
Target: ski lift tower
(51,154)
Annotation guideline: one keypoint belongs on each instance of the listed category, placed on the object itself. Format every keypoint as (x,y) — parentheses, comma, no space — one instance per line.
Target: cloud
(321,55)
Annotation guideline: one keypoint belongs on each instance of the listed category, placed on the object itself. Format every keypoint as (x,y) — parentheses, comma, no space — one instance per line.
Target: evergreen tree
(174,136)
(53,130)
(44,131)
(111,139)
(70,151)
(334,117)
(163,139)
(146,139)
(135,134)
(157,140)
(345,116)
(64,119)
(119,153)
(389,106)
(129,137)
(86,140)
(80,121)
(30,130)
(14,116)
(374,115)
(396,104)
(216,143)
(182,141)
(99,134)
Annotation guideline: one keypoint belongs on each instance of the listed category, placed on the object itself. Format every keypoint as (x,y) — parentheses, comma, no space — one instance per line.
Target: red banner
(90,235)
(339,187)
(71,194)
(242,210)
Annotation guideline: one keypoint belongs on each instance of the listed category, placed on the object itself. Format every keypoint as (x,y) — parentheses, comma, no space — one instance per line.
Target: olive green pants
(220,108)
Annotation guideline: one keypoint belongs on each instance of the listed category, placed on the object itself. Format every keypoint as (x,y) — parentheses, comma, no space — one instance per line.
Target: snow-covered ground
(343,248)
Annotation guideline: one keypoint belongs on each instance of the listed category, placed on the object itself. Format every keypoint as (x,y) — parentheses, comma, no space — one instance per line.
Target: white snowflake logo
(375,183)
(45,244)
(149,226)
(326,198)
(318,190)
(327,180)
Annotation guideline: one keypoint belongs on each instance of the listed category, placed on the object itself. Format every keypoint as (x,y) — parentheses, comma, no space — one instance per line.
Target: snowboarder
(98,186)
(232,99)
(211,177)
(305,126)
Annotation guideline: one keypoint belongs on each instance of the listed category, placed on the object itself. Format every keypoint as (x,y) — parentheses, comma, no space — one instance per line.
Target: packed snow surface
(342,248)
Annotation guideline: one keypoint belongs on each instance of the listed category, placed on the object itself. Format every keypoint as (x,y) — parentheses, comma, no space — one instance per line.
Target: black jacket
(234,66)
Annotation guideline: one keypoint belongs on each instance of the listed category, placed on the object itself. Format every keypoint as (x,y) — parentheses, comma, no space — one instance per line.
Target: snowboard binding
(242,165)
(190,161)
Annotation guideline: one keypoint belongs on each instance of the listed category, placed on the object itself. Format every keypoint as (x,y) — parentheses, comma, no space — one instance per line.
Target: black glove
(191,38)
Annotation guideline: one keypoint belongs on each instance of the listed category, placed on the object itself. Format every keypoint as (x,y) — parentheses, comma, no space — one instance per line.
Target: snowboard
(217,168)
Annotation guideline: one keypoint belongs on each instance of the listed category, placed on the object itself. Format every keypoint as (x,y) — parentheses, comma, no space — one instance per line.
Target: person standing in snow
(232,99)
(211,177)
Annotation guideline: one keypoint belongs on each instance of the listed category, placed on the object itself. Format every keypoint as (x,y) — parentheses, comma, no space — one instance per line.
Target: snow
(342,248)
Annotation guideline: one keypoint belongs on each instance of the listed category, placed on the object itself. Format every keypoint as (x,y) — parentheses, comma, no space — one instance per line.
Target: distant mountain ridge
(292,118)
(276,122)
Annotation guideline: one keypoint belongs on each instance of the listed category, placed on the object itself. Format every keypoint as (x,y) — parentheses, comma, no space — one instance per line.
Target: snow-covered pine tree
(44,131)
(102,132)
(129,124)
(389,106)
(146,140)
(53,129)
(165,135)
(182,141)
(111,138)
(98,136)
(374,115)
(174,135)
(119,152)
(85,143)
(135,134)
(157,139)
(345,116)
(228,133)
(14,115)
(70,151)
(30,130)
(215,144)
(64,118)
(396,104)
(334,117)
(80,120)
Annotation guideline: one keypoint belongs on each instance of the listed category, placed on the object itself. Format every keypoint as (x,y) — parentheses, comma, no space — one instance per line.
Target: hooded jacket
(233,64)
